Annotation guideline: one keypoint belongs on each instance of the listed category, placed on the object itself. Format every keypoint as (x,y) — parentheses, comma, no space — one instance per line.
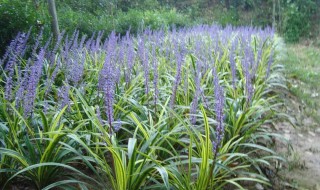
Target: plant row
(166,109)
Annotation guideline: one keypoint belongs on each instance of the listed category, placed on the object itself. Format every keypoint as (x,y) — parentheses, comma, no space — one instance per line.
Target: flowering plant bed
(177,109)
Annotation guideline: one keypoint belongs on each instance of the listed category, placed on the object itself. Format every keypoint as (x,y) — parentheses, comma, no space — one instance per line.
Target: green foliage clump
(85,22)
(297,19)
(15,16)
(229,17)
(134,19)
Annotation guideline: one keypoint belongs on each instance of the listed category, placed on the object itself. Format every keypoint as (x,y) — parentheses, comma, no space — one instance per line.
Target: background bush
(15,16)
(297,19)
(294,18)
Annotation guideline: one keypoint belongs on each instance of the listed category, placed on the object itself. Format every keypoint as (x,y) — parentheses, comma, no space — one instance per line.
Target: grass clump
(301,63)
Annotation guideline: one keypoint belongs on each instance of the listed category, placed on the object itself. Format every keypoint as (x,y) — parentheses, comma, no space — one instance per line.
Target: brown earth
(300,146)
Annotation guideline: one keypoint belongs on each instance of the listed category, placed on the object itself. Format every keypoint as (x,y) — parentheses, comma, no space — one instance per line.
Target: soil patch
(300,146)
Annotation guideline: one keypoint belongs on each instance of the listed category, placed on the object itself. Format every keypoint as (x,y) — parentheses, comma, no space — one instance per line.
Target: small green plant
(40,155)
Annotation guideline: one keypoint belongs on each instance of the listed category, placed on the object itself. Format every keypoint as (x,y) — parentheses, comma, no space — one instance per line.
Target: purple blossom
(22,44)
(56,47)
(194,103)
(107,79)
(122,59)
(144,57)
(179,60)
(219,104)
(64,96)
(34,77)
(117,126)
(23,84)
(36,45)
(75,67)
(15,50)
(96,46)
(90,42)
(10,75)
(270,61)
(98,112)
(8,88)
(130,59)
(109,94)
(75,40)
(59,40)
(258,59)
(232,56)
(83,39)
(9,50)
(47,45)
(155,75)
(247,62)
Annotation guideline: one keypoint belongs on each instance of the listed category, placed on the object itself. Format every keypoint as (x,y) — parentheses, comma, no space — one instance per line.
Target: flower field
(167,109)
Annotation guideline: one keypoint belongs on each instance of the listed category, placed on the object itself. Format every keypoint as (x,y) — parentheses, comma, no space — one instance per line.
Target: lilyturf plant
(167,109)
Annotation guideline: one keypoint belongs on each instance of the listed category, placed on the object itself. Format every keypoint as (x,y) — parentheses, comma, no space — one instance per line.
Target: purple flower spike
(130,59)
(194,103)
(109,95)
(23,84)
(233,62)
(155,75)
(75,67)
(247,62)
(98,112)
(179,60)
(33,81)
(270,61)
(107,78)
(64,96)
(219,104)
(117,126)
(143,54)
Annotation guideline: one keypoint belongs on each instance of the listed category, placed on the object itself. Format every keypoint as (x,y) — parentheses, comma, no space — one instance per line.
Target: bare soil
(300,146)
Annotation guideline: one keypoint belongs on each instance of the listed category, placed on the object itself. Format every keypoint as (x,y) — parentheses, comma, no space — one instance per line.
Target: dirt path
(301,147)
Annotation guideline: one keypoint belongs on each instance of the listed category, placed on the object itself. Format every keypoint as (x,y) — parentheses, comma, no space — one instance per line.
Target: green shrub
(297,19)
(134,19)
(15,16)
(85,22)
